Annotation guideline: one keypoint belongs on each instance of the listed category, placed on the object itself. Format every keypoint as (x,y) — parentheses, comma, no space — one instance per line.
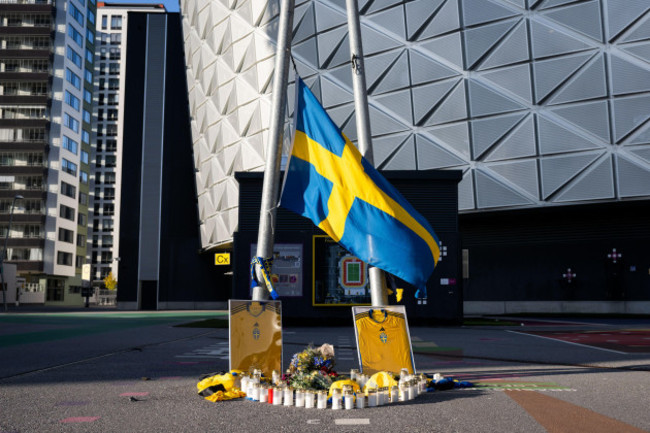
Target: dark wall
(521,256)
(185,275)
(433,194)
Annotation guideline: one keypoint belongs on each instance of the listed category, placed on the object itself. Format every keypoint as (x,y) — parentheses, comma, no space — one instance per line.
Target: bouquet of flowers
(313,368)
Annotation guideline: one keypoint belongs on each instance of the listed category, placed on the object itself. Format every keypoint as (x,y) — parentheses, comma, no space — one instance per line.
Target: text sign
(222,259)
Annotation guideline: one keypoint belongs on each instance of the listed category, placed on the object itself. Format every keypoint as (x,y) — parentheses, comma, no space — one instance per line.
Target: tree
(110,282)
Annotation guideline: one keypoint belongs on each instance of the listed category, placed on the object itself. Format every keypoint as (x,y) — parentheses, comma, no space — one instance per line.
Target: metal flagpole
(378,291)
(271,184)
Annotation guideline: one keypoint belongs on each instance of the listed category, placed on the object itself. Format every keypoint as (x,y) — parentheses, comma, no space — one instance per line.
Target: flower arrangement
(313,368)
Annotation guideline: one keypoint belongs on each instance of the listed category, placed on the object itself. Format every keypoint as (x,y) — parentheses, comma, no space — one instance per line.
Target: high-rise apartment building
(46,83)
(106,181)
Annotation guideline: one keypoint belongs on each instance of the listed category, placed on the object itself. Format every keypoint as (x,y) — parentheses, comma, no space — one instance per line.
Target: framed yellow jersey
(255,335)
(383,339)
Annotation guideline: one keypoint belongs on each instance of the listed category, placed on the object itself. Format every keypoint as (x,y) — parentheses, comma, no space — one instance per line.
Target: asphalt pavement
(109,371)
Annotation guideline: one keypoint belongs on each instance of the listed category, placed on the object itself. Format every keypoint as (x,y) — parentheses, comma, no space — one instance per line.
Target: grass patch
(208,323)
(488,322)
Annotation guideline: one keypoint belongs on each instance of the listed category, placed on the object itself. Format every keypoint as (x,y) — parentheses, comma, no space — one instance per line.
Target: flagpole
(271,184)
(378,292)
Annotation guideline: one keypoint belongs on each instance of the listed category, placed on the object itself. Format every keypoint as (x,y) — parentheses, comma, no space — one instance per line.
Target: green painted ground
(26,328)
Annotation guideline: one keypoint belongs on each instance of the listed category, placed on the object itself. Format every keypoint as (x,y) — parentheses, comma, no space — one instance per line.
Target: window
(116,38)
(109,193)
(71,122)
(82,219)
(107,257)
(66,235)
(100,116)
(116,22)
(114,69)
(112,114)
(90,56)
(88,75)
(109,178)
(90,35)
(113,99)
(107,225)
(87,117)
(81,260)
(76,36)
(66,212)
(113,84)
(69,167)
(72,100)
(104,22)
(76,14)
(81,240)
(109,209)
(115,53)
(73,78)
(102,68)
(74,57)
(88,96)
(68,190)
(63,258)
(85,136)
(83,177)
(111,130)
(111,145)
(83,198)
(107,241)
(84,157)
(70,145)
(109,161)
(32,231)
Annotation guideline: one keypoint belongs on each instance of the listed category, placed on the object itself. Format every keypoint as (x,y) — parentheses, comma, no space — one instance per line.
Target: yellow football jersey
(255,336)
(383,341)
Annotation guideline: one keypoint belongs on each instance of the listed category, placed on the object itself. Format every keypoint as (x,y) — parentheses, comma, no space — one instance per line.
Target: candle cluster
(360,391)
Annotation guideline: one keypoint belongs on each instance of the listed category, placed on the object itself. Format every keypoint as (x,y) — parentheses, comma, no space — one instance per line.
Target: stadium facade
(543,104)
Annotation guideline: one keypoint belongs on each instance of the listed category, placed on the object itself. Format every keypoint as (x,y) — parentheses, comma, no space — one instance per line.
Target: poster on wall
(383,339)
(339,278)
(255,335)
(286,271)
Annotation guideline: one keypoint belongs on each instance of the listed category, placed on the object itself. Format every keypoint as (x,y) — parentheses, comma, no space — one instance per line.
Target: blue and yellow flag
(329,182)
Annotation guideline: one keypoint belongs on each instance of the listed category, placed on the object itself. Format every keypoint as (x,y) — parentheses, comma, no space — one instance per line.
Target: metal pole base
(378,292)
(260,293)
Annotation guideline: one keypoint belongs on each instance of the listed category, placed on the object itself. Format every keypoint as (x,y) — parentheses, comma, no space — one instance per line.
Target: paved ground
(101,371)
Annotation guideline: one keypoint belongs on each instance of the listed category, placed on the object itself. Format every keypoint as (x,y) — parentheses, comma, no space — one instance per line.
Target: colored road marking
(352,421)
(519,386)
(80,419)
(134,394)
(558,416)
(568,342)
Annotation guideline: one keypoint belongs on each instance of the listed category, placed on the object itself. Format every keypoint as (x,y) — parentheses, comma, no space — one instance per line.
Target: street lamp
(4,251)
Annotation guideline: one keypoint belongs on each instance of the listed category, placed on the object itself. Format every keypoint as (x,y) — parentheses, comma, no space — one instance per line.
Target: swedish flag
(329,182)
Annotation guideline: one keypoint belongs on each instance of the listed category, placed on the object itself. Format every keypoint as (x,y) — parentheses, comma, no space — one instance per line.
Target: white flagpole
(378,291)
(270,187)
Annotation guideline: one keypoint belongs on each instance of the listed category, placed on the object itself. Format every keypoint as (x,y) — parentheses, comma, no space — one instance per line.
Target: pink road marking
(80,419)
(134,394)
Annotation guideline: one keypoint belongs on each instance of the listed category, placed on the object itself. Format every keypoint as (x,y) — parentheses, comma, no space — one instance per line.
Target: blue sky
(170,5)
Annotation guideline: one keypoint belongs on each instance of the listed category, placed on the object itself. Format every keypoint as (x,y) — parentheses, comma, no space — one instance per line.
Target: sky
(170,5)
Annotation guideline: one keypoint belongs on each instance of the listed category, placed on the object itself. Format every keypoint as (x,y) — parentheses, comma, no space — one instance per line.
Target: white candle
(349,401)
(288,397)
(361,401)
(300,398)
(336,399)
(309,399)
(264,394)
(394,394)
(322,400)
(372,398)
(277,396)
